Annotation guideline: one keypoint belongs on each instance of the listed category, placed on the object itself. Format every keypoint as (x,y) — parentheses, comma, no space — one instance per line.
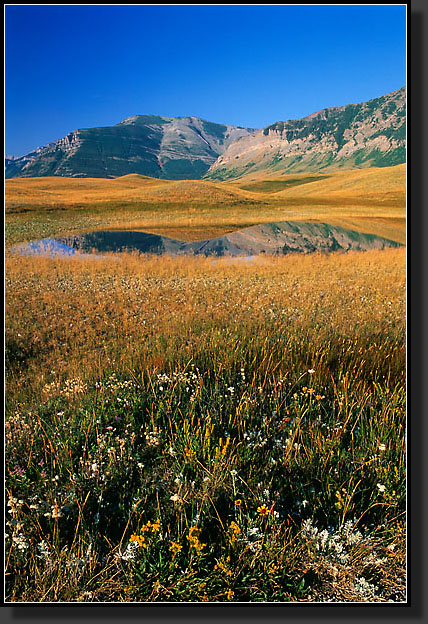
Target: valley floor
(190,429)
(370,201)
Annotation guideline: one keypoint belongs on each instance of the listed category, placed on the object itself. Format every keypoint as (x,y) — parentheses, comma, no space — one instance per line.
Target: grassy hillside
(376,184)
(49,193)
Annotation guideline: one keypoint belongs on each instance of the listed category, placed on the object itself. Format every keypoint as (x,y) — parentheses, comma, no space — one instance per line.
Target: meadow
(367,200)
(205,429)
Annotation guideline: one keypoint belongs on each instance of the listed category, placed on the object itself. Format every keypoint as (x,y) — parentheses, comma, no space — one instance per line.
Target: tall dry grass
(189,429)
(76,313)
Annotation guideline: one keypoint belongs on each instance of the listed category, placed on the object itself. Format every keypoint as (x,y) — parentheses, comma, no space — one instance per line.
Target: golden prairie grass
(52,191)
(357,176)
(89,307)
(376,181)
(190,429)
(199,429)
(374,199)
(368,183)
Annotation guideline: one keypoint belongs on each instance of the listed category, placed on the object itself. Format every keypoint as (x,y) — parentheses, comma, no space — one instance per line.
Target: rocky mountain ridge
(369,134)
(372,133)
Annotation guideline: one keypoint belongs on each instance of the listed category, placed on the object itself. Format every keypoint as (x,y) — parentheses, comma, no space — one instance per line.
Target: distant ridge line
(367,134)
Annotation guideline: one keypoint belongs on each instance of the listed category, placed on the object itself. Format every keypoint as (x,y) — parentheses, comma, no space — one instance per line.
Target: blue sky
(70,67)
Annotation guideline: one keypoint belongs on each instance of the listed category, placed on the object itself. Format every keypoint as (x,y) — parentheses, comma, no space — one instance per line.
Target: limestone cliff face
(369,134)
(70,143)
(162,147)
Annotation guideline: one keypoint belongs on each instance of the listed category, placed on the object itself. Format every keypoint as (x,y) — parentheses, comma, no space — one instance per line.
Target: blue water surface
(51,248)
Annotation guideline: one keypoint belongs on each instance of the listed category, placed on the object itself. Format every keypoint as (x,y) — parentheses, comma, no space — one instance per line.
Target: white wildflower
(20,542)
(130,551)
(43,549)
(56,512)
(364,588)
(266,494)
(323,538)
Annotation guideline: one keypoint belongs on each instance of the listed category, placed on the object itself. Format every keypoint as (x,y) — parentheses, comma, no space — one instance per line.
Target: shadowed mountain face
(119,241)
(174,148)
(370,134)
(268,238)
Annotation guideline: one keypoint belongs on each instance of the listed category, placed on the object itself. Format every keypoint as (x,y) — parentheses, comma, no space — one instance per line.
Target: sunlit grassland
(371,200)
(357,182)
(190,429)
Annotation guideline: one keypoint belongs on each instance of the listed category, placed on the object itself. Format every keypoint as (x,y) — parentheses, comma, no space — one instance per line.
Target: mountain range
(368,134)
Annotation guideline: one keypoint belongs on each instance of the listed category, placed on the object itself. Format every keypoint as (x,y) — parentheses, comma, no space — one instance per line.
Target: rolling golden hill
(368,200)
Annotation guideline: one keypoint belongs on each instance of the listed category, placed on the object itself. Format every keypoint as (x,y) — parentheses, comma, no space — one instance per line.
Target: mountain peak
(152,145)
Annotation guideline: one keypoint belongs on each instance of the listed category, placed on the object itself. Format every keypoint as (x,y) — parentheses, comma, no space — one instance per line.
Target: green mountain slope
(161,147)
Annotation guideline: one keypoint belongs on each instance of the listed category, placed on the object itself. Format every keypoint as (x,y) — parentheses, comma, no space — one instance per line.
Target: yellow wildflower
(154,527)
(273,568)
(140,539)
(235,531)
(175,548)
(193,538)
(263,510)
(194,533)
(221,566)
(234,528)
(340,503)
